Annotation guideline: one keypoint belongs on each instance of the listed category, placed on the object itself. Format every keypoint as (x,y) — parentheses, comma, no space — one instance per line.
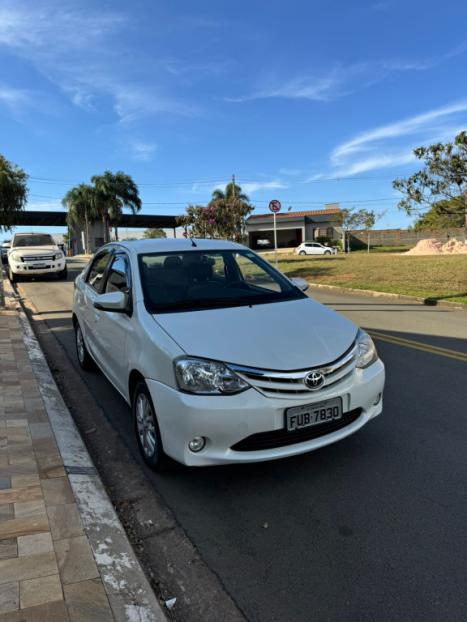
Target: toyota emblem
(314,380)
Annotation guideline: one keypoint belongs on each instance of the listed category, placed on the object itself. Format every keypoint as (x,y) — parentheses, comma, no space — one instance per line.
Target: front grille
(290,384)
(27,258)
(282,438)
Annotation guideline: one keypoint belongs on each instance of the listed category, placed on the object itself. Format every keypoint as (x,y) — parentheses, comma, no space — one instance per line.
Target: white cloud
(254,186)
(13,98)
(142,151)
(391,145)
(81,52)
(410,126)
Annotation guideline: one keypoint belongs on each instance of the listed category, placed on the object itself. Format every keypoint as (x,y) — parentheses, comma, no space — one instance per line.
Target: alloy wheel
(145,425)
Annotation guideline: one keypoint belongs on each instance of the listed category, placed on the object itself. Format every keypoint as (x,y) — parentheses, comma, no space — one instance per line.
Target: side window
(96,272)
(118,279)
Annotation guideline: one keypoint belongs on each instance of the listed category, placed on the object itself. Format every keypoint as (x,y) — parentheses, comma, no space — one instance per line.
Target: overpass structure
(58,219)
(76,234)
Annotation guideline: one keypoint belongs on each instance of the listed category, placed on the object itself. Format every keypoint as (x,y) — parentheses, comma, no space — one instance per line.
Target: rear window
(41,239)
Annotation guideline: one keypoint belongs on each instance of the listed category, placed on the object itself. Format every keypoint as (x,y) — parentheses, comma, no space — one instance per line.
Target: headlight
(366,350)
(207,377)
(15,256)
(58,255)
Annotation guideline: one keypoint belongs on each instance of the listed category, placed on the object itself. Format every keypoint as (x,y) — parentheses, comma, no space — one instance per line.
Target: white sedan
(222,358)
(315,248)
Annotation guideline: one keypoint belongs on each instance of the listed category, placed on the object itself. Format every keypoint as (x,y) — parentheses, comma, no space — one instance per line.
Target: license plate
(300,417)
(39,265)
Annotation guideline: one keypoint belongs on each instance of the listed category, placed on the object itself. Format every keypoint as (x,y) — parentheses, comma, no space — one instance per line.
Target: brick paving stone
(40,591)
(19,481)
(50,612)
(87,602)
(34,544)
(7,511)
(41,430)
(27,567)
(57,491)
(30,509)
(15,527)
(75,560)
(8,548)
(9,596)
(64,521)
(50,465)
(15,495)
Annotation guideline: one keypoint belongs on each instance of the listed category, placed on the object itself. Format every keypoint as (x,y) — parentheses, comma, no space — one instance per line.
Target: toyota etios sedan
(222,358)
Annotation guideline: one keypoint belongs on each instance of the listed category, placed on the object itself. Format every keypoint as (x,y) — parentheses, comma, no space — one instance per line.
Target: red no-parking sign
(275,206)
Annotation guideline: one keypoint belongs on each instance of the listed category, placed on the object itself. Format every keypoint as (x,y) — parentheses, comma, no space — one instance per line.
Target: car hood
(34,250)
(284,335)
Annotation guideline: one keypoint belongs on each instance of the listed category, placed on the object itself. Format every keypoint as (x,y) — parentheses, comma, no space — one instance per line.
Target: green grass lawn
(435,277)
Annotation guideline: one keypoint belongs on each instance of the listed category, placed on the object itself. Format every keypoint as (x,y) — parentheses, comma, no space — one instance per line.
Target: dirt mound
(432,246)
(426,247)
(454,246)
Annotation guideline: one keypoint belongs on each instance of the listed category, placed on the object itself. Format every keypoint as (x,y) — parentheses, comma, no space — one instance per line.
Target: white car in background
(4,248)
(315,248)
(33,254)
(222,358)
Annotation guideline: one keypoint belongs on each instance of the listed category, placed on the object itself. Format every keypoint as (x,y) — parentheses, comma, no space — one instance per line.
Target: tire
(327,252)
(147,431)
(62,276)
(302,253)
(84,358)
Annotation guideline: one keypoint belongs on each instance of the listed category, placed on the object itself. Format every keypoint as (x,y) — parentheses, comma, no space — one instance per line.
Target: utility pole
(233,186)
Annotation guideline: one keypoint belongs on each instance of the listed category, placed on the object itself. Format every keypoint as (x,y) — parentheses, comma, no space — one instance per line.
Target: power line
(246,180)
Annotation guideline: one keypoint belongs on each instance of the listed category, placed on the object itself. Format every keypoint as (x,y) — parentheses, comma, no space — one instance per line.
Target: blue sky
(306,102)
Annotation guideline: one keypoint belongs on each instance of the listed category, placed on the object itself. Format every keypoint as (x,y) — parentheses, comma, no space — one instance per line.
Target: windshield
(42,239)
(195,280)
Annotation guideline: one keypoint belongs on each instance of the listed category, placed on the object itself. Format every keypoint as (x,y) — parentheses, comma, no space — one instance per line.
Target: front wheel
(147,428)
(84,358)
(327,252)
(302,253)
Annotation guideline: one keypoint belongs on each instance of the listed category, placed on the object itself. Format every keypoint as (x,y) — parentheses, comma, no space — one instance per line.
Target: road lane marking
(418,345)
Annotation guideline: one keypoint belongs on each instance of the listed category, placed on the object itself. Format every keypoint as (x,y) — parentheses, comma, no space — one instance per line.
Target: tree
(443,177)
(81,203)
(232,191)
(115,192)
(13,192)
(368,219)
(154,233)
(224,217)
(356,219)
(442,215)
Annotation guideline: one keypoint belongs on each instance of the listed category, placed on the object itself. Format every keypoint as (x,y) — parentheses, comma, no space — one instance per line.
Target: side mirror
(300,283)
(113,301)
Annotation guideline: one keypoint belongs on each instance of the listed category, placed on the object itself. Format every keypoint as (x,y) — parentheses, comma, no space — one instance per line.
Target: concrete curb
(371,293)
(128,590)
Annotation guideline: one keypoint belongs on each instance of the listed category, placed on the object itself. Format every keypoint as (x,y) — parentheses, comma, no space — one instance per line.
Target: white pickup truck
(34,254)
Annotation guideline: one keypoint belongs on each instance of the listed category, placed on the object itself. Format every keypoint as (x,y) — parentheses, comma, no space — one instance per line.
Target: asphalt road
(371,528)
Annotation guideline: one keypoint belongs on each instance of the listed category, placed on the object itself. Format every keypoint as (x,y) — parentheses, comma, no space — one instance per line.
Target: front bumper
(28,269)
(227,420)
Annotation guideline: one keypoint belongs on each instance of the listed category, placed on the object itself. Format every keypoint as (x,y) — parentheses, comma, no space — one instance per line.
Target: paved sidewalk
(63,552)
(47,569)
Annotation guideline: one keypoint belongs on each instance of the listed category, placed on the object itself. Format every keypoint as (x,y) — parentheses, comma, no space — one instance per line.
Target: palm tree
(114,192)
(232,191)
(80,202)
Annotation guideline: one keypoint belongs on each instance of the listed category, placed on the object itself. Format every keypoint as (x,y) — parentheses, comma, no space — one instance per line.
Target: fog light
(378,399)
(197,444)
